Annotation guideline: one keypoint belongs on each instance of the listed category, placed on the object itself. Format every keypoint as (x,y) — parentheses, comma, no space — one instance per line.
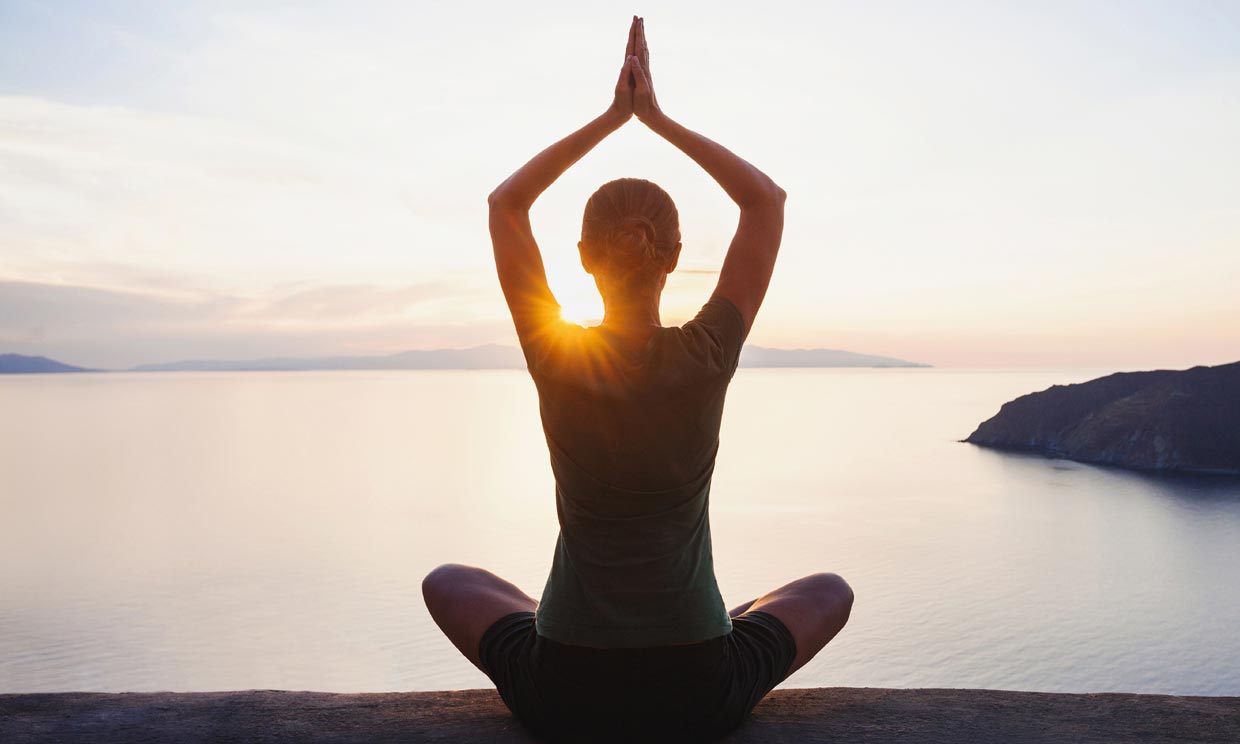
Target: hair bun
(636,235)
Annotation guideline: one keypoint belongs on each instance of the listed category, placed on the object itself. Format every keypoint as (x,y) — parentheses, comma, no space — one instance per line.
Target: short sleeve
(538,325)
(552,345)
(721,329)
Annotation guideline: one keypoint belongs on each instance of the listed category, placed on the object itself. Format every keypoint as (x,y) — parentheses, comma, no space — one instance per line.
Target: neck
(638,312)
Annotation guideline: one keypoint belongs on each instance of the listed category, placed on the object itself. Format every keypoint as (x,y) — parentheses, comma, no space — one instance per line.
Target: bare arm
(750,260)
(517,258)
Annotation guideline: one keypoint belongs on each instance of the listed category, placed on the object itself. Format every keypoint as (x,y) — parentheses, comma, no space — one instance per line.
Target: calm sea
(224,531)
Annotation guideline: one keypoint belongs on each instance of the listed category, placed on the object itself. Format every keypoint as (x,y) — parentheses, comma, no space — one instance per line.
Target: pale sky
(970,183)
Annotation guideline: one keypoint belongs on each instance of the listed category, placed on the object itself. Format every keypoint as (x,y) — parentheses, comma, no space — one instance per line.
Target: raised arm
(750,260)
(517,258)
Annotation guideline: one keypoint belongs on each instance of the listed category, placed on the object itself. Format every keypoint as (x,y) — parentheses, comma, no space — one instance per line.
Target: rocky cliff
(1163,420)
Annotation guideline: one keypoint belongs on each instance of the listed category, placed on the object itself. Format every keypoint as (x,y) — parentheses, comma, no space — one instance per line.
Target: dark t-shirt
(633,435)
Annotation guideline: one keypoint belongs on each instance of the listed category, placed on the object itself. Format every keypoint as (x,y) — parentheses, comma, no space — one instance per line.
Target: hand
(622,103)
(645,106)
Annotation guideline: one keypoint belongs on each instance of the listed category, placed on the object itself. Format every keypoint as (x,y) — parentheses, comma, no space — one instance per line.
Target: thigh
(813,609)
(466,601)
(509,653)
(760,653)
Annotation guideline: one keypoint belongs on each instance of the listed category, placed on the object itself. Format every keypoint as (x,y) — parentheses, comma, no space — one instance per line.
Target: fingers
(641,78)
(643,50)
(631,48)
(626,72)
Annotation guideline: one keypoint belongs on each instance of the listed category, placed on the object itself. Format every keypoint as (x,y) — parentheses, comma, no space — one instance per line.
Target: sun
(583,309)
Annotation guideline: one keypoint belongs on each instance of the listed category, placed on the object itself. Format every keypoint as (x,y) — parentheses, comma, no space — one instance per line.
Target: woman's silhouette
(631,640)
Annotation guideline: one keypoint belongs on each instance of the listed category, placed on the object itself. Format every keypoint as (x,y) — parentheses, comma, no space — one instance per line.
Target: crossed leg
(814,609)
(465,601)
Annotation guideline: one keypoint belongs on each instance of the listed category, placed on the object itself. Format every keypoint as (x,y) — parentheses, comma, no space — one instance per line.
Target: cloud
(212,197)
(114,328)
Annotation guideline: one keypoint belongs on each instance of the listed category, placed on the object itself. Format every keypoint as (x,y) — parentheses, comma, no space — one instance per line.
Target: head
(630,238)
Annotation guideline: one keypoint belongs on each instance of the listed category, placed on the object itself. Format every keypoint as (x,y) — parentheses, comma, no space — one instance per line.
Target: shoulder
(552,343)
(716,334)
(719,313)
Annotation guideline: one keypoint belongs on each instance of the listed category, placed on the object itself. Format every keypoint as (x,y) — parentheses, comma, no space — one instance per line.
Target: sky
(977,184)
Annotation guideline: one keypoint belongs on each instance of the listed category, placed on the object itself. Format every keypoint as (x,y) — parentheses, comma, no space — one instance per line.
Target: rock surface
(795,715)
(1163,420)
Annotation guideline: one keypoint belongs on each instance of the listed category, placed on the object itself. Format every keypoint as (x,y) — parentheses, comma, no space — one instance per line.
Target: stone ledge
(852,715)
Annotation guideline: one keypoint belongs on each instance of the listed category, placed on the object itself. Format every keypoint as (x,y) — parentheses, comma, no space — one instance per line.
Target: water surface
(212,531)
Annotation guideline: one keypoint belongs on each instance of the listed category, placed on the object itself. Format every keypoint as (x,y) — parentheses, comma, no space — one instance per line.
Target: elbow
(500,198)
(769,197)
(774,193)
(500,195)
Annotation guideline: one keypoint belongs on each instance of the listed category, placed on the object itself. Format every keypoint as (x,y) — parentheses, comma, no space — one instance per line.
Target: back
(632,437)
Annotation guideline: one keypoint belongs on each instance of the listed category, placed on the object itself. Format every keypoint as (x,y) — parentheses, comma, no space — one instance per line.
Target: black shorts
(698,692)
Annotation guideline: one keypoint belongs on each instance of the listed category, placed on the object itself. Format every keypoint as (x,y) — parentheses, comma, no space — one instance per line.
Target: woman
(631,640)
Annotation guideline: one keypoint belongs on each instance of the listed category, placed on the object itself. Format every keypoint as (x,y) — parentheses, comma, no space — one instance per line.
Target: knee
(439,582)
(832,589)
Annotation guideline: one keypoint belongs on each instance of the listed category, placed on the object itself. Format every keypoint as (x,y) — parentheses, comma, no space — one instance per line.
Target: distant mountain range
(17,364)
(488,356)
(761,356)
